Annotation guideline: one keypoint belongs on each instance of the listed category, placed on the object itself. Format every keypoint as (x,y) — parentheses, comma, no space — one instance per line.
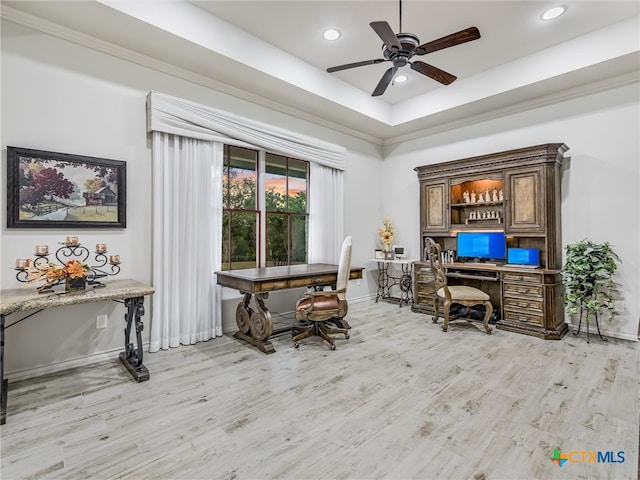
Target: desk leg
(255,326)
(3,383)
(132,357)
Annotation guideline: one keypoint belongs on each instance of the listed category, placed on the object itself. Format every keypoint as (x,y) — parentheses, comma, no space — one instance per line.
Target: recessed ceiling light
(400,79)
(331,34)
(553,12)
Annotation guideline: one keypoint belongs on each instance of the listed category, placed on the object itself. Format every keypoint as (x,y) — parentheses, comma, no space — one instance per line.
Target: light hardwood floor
(399,400)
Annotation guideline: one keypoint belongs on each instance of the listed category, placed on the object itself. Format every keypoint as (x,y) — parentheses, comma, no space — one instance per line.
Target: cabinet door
(525,202)
(434,207)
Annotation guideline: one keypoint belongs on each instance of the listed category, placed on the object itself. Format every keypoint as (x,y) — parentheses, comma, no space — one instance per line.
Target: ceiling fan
(400,48)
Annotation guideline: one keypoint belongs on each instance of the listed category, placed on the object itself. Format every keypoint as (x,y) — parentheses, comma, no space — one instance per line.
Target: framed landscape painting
(56,190)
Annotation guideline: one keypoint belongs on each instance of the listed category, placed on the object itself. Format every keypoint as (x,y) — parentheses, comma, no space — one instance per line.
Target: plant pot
(72,284)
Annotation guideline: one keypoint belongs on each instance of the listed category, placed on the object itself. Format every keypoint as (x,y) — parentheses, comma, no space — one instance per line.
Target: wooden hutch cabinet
(517,192)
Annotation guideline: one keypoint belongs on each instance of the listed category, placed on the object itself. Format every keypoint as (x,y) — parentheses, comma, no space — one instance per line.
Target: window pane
(297,187)
(240,177)
(276,183)
(226,265)
(277,235)
(298,239)
(243,239)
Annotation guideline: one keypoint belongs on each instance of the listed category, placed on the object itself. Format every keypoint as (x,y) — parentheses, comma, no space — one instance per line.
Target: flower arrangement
(52,274)
(387,233)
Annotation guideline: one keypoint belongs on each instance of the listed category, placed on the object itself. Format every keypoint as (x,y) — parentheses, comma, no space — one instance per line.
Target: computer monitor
(481,246)
(527,257)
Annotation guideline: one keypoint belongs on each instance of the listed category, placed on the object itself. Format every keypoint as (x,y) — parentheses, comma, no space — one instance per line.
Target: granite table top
(27,298)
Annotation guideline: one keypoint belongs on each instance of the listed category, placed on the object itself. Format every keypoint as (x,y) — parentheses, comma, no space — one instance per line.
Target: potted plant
(587,276)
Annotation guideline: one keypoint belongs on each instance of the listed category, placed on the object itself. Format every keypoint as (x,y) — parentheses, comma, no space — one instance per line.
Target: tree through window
(278,197)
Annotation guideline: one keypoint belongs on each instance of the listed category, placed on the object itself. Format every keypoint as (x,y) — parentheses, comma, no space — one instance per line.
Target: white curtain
(181,117)
(326,213)
(187,228)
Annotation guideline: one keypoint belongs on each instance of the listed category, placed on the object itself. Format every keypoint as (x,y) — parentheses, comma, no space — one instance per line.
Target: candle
(42,250)
(22,263)
(101,247)
(114,259)
(72,241)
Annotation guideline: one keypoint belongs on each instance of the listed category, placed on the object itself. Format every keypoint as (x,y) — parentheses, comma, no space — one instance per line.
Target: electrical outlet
(101,321)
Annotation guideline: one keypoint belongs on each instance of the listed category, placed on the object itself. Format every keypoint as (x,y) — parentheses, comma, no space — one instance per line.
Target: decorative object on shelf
(500,196)
(481,198)
(72,268)
(495,197)
(587,276)
(465,196)
(53,190)
(473,197)
(387,233)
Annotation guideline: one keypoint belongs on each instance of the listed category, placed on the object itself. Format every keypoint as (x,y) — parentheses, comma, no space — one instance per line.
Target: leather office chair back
(344,268)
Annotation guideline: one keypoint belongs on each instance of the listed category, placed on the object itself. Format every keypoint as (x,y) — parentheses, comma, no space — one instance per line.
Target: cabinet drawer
(522,303)
(521,277)
(317,280)
(424,277)
(522,317)
(522,290)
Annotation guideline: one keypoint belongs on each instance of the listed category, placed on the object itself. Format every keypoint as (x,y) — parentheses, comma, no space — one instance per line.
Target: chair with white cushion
(461,294)
(322,309)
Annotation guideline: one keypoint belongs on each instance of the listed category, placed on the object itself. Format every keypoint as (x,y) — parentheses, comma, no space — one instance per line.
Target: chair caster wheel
(296,345)
(333,347)
(346,337)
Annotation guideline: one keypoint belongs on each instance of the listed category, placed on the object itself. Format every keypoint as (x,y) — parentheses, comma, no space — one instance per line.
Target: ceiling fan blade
(356,64)
(384,82)
(463,36)
(385,32)
(433,72)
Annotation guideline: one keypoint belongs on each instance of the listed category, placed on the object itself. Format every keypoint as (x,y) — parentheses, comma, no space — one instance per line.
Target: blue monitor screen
(481,245)
(523,256)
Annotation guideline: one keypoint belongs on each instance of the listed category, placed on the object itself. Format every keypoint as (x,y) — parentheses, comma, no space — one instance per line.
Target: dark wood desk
(129,292)
(256,326)
(530,300)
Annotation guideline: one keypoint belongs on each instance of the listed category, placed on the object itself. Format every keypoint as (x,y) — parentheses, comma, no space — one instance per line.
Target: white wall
(62,97)
(601,180)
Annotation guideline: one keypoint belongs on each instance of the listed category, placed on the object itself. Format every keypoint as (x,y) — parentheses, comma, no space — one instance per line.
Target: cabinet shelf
(477,204)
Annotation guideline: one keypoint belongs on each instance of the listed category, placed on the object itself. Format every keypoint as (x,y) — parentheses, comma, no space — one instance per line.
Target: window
(265,217)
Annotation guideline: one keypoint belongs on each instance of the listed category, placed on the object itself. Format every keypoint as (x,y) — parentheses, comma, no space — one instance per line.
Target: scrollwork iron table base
(129,292)
(386,281)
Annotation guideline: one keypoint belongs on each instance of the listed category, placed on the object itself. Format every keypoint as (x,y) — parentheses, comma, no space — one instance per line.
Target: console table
(129,292)
(387,280)
(256,326)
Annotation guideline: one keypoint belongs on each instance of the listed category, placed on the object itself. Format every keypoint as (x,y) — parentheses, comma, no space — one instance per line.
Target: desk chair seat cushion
(462,292)
(320,303)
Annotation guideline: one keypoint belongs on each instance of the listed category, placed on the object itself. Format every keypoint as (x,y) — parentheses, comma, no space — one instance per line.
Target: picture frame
(61,190)
(379,254)
(389,256)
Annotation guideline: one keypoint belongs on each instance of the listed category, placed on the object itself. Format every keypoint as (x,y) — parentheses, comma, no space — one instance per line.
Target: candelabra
(102,266)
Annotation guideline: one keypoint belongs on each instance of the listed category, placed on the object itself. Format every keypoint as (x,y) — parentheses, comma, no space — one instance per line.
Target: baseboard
(68,364)
(593,331)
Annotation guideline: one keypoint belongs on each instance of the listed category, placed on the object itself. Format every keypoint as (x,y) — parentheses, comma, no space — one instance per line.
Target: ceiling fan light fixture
(400,79)
(331,34)
(553,12)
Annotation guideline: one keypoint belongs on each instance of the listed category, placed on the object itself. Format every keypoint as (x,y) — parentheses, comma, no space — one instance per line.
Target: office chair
(320,308)
(461,294)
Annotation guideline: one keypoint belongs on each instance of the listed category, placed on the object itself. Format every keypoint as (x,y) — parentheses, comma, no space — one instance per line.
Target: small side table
(387,279)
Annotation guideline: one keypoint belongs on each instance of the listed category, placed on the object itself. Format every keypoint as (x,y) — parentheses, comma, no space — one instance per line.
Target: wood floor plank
(399,400)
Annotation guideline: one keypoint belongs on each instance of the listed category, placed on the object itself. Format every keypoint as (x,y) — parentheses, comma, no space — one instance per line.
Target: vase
(72,284)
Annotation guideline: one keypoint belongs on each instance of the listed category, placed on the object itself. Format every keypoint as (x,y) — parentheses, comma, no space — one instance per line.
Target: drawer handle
(524,305)
(523,290)
(524,319)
